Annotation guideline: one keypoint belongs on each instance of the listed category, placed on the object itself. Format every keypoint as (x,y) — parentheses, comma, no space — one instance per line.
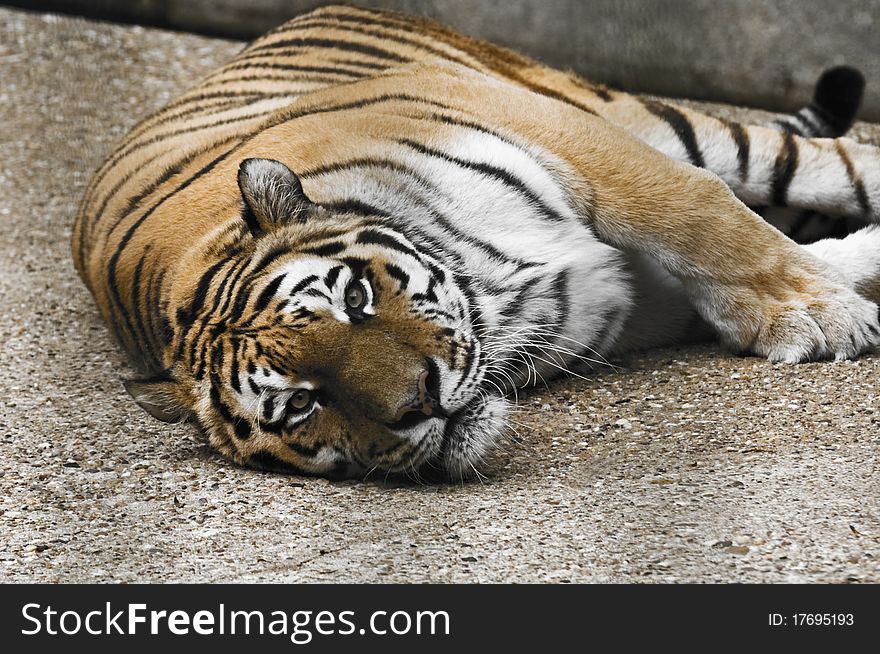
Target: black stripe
(432,312)
(256,390)
(784,169)
(601,92)
(543,90)
(242,295)
(153,311)
(198,98)
(290,80)
(218,356)
(268,293)
(314,292)
(680,125)
(856,181)
(228,281)
(297,68)
(305,281)
(500,174)
(217,402)
(807,118)
(334,44)
(242,429)
(429,295)
(275,54)
(451,119)
(743,147)
(268,408)
(372,236)
(559,288)
(195,344)
(200,294)
(326,250)
(357,207)
(785,125)
(235,381)
(149,359)
(202,346)
(469,361)
(354,104)
(398,274)
(233,279)
(267,260)
(519,300)
(331,277)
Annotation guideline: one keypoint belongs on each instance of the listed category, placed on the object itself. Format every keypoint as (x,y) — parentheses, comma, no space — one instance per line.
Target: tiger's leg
(760,291)
(663,314)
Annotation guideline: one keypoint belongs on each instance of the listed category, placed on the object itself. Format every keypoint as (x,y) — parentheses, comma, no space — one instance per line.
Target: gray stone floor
(682,465)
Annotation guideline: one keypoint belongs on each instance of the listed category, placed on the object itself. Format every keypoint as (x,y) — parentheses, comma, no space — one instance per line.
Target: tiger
(347,248)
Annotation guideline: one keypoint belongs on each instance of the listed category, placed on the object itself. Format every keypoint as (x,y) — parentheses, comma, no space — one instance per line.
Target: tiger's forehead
(309,269)
(334,271)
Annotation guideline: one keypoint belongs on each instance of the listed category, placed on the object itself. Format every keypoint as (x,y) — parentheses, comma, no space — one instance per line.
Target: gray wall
(759,52)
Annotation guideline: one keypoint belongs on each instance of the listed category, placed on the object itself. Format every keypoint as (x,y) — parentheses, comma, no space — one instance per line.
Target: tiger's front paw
(838,325)
(801,318)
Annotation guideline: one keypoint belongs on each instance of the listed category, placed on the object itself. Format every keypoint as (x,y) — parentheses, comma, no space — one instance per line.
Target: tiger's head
(329,343)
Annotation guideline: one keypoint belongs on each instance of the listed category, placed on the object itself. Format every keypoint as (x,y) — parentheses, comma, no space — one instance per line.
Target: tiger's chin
(469,436)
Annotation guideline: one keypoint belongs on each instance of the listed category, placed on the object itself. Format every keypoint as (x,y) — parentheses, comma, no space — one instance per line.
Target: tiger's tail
(764,165)
(837,99)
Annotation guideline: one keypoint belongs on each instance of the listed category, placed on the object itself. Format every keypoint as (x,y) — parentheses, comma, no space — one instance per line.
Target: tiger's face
(335,345)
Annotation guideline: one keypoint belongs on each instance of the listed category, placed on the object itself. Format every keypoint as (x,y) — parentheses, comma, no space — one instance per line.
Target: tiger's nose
(426,404)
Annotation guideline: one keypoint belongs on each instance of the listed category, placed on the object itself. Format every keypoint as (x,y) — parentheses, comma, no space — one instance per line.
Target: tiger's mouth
(469,435)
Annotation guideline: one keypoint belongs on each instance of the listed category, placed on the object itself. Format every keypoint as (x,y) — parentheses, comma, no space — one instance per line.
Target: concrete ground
(686,465)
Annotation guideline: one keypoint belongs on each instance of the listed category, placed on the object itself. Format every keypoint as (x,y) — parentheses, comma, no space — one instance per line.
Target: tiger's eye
(301,399)
(355,296)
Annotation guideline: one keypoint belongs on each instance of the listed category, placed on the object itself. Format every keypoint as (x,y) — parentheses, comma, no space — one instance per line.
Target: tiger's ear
(272,195)
(161,396)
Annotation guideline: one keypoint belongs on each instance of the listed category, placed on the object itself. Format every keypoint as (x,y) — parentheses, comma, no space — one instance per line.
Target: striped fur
(342,250)
(830,114)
